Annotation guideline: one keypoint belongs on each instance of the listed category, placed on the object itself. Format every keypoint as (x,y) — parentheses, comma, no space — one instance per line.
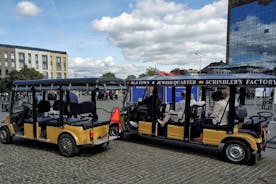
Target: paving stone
(131,160)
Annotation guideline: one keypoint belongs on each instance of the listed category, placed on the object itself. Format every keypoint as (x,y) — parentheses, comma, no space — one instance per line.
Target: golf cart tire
(113,130)
(236,151)
(67,145)
(5,136)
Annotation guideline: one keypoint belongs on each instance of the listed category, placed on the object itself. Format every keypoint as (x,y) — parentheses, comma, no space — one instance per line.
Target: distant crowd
(4,96)
(107,95)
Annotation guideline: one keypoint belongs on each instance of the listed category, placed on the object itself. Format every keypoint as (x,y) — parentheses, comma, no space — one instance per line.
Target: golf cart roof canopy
(246,79)
(73,83)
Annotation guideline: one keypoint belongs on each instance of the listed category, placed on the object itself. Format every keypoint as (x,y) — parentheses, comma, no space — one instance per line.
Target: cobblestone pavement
(132,160)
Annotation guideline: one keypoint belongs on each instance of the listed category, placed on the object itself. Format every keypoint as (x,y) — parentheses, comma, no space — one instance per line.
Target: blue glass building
(251,34)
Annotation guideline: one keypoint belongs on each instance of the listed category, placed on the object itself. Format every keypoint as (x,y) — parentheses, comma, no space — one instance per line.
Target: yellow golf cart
(58,111)
(241,140)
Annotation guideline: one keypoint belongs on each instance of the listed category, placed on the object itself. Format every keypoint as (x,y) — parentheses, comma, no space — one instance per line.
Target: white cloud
(167,33)
(87,67)
(27,8)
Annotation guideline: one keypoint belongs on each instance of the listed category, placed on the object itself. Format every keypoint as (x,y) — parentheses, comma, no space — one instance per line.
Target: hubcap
(235,152)
(67,145)
(113,132)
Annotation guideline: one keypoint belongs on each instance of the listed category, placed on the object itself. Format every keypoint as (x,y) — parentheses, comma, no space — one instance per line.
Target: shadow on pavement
(85,151)
(209,151)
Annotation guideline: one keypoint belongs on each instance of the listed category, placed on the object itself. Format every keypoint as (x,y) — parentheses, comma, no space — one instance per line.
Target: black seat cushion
(54,122)
(42,120)
(49,121)
(86,124)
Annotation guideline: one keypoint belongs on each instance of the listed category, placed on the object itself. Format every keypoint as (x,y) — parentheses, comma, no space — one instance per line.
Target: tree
(131,77)
(109,75)
(150,71)
(142,75)
(2,85)
(24,74)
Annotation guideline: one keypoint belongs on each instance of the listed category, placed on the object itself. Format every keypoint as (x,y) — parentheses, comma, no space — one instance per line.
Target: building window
(6,64)
(251,34)
(5,55)
(30,57)
(21,56)
(64,75)
(59,75)
(45,74)
(51,61)
(52,75)
(0,64)
(12,55)
(7,72)
(21,64)
(36,64)
(58,63)
(64,63)
(13,64)
(45,62)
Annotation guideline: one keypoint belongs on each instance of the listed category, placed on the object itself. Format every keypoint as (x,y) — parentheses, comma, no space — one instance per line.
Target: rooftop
(32,48)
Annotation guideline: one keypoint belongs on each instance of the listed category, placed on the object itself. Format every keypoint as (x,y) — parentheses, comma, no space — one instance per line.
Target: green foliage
(2,85)
(109,75)
(24,74)
(150,71)
(142,75)
(131,77)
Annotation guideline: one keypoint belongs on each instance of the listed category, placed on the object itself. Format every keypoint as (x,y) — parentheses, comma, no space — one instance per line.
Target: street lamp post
(199,61)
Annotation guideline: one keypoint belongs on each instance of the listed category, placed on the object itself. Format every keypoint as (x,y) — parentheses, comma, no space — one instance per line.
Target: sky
(124,37)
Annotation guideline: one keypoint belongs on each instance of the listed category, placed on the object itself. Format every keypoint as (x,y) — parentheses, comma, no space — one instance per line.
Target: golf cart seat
(78,109)
(86,124)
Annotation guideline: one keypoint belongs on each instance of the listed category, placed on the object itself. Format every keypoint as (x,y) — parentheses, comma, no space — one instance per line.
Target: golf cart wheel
(5,136)
(113,130)
(237,152)
(67,145)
